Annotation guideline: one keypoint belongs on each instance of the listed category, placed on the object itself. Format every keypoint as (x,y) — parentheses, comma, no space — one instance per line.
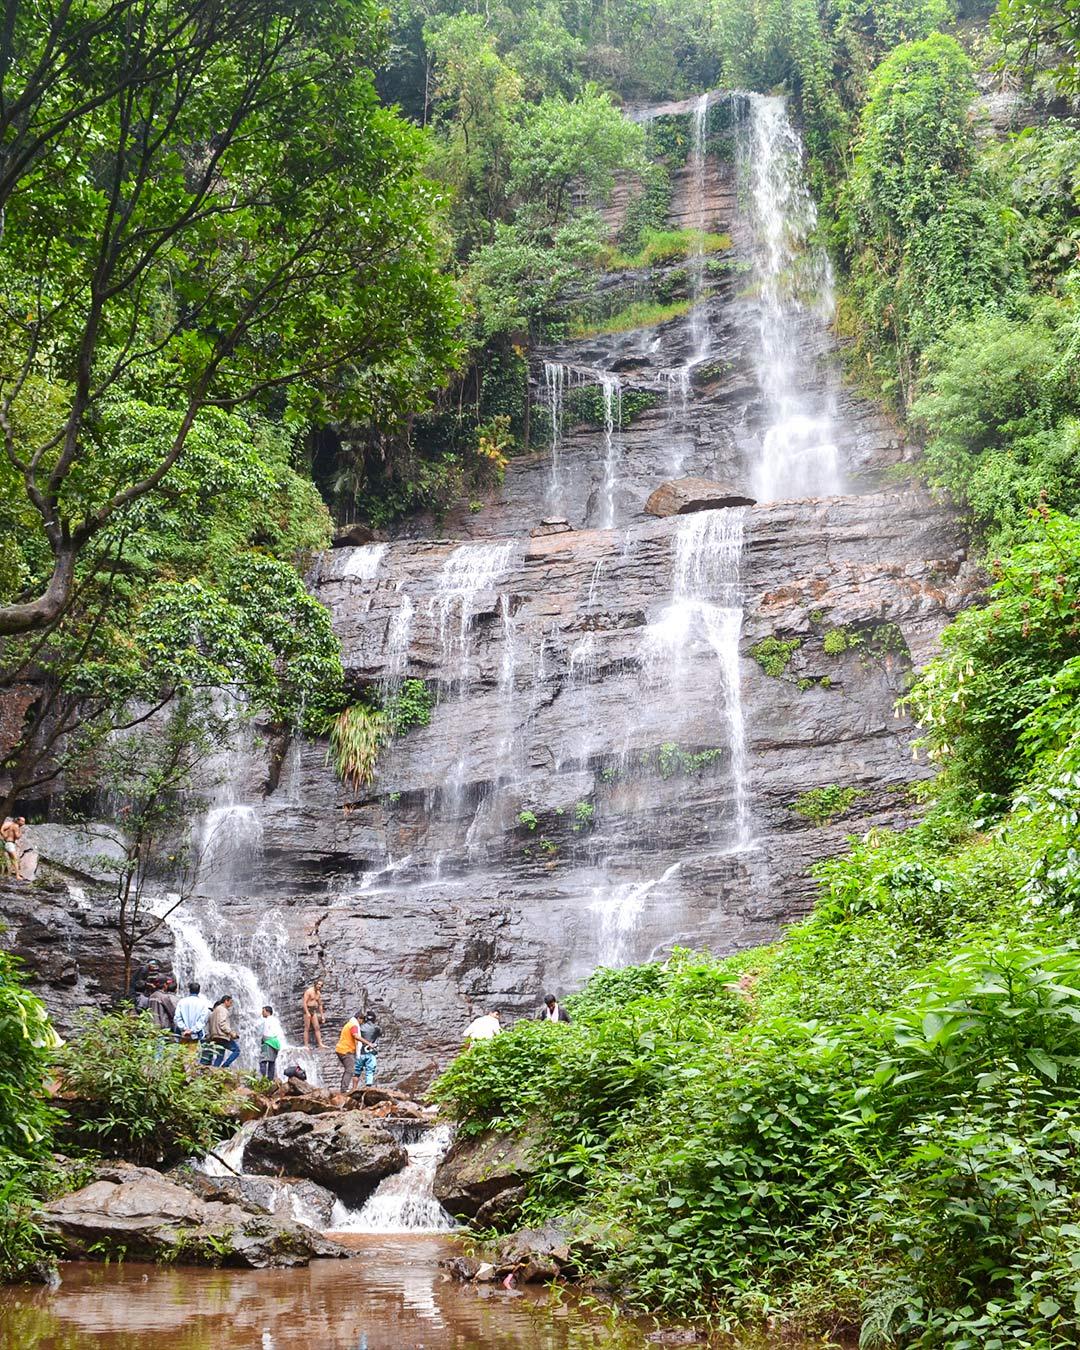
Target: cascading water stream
(702,622)
(208,950)
(798,457)
(699,319)
(404,1202)
(611,388)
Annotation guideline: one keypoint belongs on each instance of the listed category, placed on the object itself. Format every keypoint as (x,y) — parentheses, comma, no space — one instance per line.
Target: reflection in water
(393,1297)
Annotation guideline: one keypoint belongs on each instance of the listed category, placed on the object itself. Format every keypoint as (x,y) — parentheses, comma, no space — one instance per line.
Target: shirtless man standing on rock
(11,833)
(314,1013)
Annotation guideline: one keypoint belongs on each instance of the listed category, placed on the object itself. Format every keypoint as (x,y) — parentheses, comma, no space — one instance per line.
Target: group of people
(356,1043)
(208,1028)
(489,1024)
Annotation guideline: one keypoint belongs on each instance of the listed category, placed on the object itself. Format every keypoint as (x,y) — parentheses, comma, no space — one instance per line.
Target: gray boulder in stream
(135,1212)
(338,1149)
(483,1175)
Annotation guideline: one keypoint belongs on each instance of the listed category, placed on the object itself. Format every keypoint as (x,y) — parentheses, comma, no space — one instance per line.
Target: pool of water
(392,1296)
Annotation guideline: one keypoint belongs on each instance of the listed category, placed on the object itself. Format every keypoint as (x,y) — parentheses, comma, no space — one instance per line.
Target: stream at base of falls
(393,1295)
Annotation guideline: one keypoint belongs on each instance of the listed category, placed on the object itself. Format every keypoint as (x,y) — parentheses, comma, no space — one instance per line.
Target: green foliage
(588,404)
(137,1094)
(822,805)
(1001,667)
(774,654)
(659,247)
(357,735)
(26,1122)
(410,706)
(359,731)
(1002,409)
(637,314)
(924,232)
(839,640)
(528,820)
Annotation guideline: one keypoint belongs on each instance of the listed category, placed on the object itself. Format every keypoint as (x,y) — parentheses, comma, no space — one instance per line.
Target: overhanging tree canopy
(205,207)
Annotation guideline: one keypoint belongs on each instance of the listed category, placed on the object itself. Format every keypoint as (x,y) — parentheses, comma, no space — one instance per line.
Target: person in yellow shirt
(346,1051)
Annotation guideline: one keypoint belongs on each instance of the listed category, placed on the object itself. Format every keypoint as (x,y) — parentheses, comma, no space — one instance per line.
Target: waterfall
(699,318)
(210,951)
(469,573)
(611,388)
(557,378)
(799,456)
(404,1202)
(704,618)
(362,563)
(701,622)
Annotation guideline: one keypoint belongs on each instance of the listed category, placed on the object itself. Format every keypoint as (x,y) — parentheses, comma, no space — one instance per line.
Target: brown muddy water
(393,1296)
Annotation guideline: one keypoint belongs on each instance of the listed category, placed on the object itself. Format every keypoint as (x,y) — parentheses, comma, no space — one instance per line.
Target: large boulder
(138,1213)
(290,1197)
(338,1149)
(476,1171)
(683,495)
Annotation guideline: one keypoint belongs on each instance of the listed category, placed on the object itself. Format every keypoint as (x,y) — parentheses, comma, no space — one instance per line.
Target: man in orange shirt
(346,1051)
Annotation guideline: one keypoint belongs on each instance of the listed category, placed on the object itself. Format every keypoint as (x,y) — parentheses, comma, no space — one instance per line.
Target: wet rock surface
(571,802)
(340,1150)
(138,1213)
(684,495)
(478,1172)
(68,943)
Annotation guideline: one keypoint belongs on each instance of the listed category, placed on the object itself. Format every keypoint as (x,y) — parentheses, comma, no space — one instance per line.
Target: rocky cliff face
(629,709)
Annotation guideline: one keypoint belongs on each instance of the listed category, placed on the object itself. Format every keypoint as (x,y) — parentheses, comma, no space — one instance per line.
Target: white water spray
(404,1202)
(799,456)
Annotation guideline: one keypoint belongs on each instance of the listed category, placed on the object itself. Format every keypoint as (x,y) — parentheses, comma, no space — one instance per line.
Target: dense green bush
(26,1121)
(134,1093)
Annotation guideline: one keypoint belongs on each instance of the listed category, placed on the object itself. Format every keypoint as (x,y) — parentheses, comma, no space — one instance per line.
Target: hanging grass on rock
(359,732)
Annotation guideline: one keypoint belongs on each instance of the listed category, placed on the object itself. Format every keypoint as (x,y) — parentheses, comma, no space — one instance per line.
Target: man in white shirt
(273,1038)
(484,1027)
(191,1013)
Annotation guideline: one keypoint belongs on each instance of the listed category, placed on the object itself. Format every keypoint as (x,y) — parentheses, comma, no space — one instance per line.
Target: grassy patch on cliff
(665,246)
(638,314)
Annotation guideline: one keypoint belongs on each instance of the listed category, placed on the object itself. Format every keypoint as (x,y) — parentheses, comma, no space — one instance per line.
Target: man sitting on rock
(366,1061)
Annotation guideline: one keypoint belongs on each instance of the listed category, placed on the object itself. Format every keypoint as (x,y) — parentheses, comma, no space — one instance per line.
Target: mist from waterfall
(793,282)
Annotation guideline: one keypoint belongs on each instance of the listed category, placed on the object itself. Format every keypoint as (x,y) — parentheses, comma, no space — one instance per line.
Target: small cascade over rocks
(404,1202)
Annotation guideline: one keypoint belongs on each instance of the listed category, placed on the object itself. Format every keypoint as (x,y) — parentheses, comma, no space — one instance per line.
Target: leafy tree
(229,228)
(563,144)
(924,232)
(998,665)
(156,772)
(477,96)
(1034,32)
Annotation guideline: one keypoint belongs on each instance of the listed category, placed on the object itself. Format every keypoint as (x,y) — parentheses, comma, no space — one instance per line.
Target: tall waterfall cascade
(611,765)
(799,456)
